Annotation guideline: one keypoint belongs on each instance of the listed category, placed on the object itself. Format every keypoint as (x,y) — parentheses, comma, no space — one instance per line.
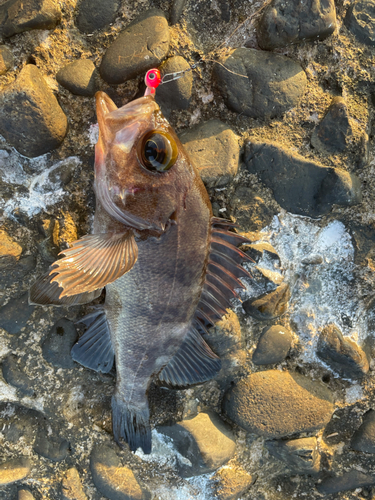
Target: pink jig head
(152,81)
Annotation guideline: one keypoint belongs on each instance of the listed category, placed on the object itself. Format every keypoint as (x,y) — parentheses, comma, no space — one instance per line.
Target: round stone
(79,77)
(360,20)
(273,345)
(96,14)
(176,94)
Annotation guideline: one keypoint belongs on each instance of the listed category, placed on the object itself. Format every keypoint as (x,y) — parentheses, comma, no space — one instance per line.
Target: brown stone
(14,470)
(72,487)
(25,495)
(232,483)
(271,305)
(10,250)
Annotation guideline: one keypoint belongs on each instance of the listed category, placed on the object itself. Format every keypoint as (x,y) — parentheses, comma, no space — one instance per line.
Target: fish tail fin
(131,424)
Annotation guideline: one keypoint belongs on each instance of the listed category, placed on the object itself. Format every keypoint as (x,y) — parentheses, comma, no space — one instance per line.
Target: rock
(111,479)
(270,305)
(341,354)
(79,77)
(364,437)
(361,22)
(72,486)
(232,483)
(273,345)
(284,23)
(277,404)
(274,83)
(300,186)
(214,150)
(25,495)
(333,132)
(15,314)
(58,343)
(257,251)
(95,14)
(14,375)
(140,47)
(204,440)
(176,94)
(272,277)
(53,448)
(17,16)
(6,59)
(344,482)
(14,274)
(301,455)
(249,210)
(14,470)
(226,336)
(10,250)
(176,11)
(26,106)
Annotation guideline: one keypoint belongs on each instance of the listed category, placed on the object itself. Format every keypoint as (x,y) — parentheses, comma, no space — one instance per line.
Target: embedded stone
(58,344)
(270,305)
(270,276)
(10,250)
(71,486)
(231,483)
(14,470)
(177,94)
(14,375)
(6,59)
(52,447)
(213,148)
(257,251)
(204,440)
(15,314)
(300,455)
(277,404)
(249,210)
(283,23)
(96,14)
(360,20)
(176,11)
(273,345)
(364,437)
(344,482)
(140,47)
(25,495)
(260,84)
(79,77)
(31,119)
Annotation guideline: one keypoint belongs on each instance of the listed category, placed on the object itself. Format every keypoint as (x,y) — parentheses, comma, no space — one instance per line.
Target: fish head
(142,173)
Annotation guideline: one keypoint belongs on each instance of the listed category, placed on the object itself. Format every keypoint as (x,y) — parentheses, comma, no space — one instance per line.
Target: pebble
(361,22)
(14,375)
(79,77)
(274,83)
(17,16)
(333,133)
(231,483)
(10,250)
(72,486)
(345,481)
(271,277)
(364,437)
(95,14)
(51,447)
(257,250)
(342,354)
(176,94)
(249,210)
(140,47)
(300,455)
(269,306)
(204,440)
(15,314)
(301,186)
(6,59)
(277,404)
(58,343)
(25,495)
(283,23)
(26,106)
(176,11)
(273,345)
(213,148)
(112,480)
(14,470)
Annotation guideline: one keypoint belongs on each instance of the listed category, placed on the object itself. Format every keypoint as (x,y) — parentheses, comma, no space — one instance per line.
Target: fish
(168,266)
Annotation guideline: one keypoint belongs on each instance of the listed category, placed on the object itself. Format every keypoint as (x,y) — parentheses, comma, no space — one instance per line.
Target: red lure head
(152,81)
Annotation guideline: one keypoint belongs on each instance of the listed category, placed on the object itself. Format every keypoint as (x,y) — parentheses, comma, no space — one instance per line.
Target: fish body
(168,266)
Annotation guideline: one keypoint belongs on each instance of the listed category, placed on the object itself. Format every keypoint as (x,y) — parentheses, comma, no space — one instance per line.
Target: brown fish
(169,267)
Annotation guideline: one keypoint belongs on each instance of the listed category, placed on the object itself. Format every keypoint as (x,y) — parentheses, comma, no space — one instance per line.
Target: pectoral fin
(94,261)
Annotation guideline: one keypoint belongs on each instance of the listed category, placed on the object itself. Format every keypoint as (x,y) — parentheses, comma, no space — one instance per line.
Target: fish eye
(157,151)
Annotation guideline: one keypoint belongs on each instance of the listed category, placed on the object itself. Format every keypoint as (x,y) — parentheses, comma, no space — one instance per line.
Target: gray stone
(31,119)
(14,470)
(112,480)
(214,150)
(274,83)
(300,455)
(6,59)
(364,437)
(360,20)
(204,440)
(249,210)
(51,447)
(283,23)
(140,47)
(176,94)
(344,482)
(341,354)
(301,186)
(176,11)
(257,250)
(271,277)
(96,14)
(17,16)
(25,495)
(58,343)
(269,306)
(15,314)
(16,273)
(273,345)
(79,77)
(334,131)
(14,375)
(277,404)
(71,486)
